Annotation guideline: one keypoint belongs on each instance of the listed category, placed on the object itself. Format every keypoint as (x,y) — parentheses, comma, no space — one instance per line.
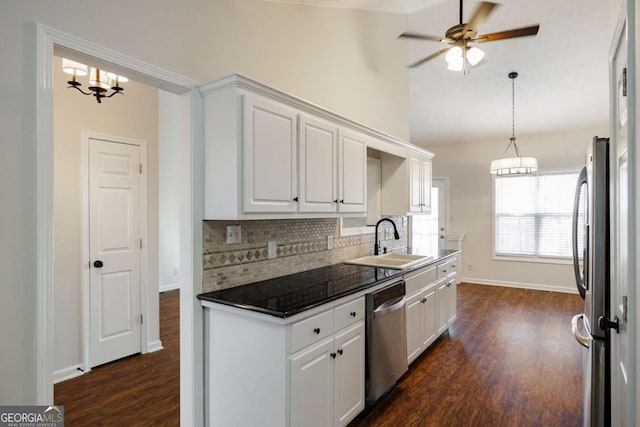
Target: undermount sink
(390,260)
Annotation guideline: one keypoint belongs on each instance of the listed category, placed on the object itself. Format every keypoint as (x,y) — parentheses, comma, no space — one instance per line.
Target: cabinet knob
(316,330)
(423,300)
(333,355)
(340,351)
(342,201)
(353,314)
(295,199)
(335,201)
(444,271)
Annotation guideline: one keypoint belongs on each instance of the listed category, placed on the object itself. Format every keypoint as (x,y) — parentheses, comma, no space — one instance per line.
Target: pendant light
(510,166)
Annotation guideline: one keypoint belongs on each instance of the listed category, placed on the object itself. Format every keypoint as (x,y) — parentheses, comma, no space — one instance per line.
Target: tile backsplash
(301,245)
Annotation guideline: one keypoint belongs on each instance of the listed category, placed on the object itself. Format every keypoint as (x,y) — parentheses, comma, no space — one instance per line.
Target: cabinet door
(425,184)
(442,302)
(349,374)
(452,301)
(269,169)
(415,322)
(415,184)
(430,313)
(312,382)
(317,151)
(352,172)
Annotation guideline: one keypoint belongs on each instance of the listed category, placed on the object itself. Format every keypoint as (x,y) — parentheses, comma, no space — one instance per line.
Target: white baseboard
(68,373)
(154,346)
(522,285)
(169,287)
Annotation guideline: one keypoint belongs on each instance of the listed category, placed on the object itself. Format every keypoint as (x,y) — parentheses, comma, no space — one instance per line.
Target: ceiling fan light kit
(513,166)
(462,55)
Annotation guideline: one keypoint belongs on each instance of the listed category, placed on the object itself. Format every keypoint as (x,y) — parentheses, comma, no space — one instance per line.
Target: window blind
(533,215)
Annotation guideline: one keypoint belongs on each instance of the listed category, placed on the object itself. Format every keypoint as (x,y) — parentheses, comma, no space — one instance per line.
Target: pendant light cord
(512,140)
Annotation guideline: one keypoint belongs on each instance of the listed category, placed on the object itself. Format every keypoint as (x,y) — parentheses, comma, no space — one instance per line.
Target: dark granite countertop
(292,294)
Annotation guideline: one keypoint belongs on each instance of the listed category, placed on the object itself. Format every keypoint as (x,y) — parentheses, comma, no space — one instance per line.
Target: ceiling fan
(461,54)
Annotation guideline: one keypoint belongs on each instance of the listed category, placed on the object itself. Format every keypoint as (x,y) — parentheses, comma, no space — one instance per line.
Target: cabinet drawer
(349,313)
(417,281)
(447,268)
(311,330)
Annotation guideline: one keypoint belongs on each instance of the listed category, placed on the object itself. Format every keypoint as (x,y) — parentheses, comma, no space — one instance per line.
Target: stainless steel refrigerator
(591,265)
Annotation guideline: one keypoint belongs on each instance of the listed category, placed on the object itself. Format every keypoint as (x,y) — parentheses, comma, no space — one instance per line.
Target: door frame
(85,236)
(191,316)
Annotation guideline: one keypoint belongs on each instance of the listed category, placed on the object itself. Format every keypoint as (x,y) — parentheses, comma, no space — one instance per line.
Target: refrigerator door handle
(582,340)
(581,276)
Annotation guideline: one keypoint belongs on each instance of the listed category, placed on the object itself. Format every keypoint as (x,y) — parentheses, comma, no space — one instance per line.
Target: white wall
(134,115)
(471,201)
(346,61)
(173,124)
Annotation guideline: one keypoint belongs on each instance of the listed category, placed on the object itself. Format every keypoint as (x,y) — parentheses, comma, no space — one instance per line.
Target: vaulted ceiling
(563,71)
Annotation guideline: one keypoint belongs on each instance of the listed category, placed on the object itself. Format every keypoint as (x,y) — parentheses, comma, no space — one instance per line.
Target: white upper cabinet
(406,184)
(353,172)
(420,184)
(270,155)
(318,154)
(269,172)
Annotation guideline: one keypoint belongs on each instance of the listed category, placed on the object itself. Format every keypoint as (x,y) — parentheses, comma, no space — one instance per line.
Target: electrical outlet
(329,242)
(175,271)
(272,249)
(234,234)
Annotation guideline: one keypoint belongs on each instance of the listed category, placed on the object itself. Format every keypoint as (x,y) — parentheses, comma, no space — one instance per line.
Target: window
(533,215)
(424,228)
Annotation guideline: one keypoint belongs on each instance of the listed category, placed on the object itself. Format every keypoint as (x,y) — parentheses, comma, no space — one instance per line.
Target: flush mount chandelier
(511,166)
(100,81)
(462,55)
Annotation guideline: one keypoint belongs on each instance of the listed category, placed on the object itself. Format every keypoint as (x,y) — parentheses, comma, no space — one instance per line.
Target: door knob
(98,264)
(606,324)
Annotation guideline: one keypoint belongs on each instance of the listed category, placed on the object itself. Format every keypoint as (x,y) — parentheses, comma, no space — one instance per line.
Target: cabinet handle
(453,266)
(295,199)
(340,351)
(333,355)
(316,330)
(353,314)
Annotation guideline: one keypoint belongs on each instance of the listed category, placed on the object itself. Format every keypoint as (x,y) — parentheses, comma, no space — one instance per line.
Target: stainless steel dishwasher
(386,339)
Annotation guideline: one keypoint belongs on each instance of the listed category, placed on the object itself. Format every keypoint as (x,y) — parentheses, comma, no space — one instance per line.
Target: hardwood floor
(509,360)
(142,390)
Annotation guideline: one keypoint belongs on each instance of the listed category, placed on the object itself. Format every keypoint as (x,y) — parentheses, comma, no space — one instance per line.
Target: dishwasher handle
(389,306)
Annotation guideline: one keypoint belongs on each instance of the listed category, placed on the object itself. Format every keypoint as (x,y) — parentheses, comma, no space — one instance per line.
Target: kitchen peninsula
(291,350)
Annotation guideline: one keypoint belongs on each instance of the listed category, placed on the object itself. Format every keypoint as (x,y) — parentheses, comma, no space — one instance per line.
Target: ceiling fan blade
(428,58)
(480,15)
(508,34)
(410,35)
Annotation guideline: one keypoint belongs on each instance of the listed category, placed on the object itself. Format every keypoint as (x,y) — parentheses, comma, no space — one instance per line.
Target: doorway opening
(190,183)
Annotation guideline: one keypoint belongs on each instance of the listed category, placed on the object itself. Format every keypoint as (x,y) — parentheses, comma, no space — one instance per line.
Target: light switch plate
(272,249)
(234,234)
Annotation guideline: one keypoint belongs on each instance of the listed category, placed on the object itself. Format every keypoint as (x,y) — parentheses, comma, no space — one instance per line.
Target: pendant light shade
(518,165)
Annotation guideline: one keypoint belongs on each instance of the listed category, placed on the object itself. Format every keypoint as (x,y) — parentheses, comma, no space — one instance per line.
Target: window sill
(561,261)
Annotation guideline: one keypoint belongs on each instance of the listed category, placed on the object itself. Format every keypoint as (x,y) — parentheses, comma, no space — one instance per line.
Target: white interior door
(114,250)
(621,406)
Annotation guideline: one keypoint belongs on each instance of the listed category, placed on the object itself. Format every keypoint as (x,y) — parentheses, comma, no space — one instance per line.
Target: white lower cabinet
(431,305)
(327,380)
(312,385)
(421,322)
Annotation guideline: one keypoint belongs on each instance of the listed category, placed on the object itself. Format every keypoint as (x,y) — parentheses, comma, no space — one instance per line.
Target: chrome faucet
(376,246)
